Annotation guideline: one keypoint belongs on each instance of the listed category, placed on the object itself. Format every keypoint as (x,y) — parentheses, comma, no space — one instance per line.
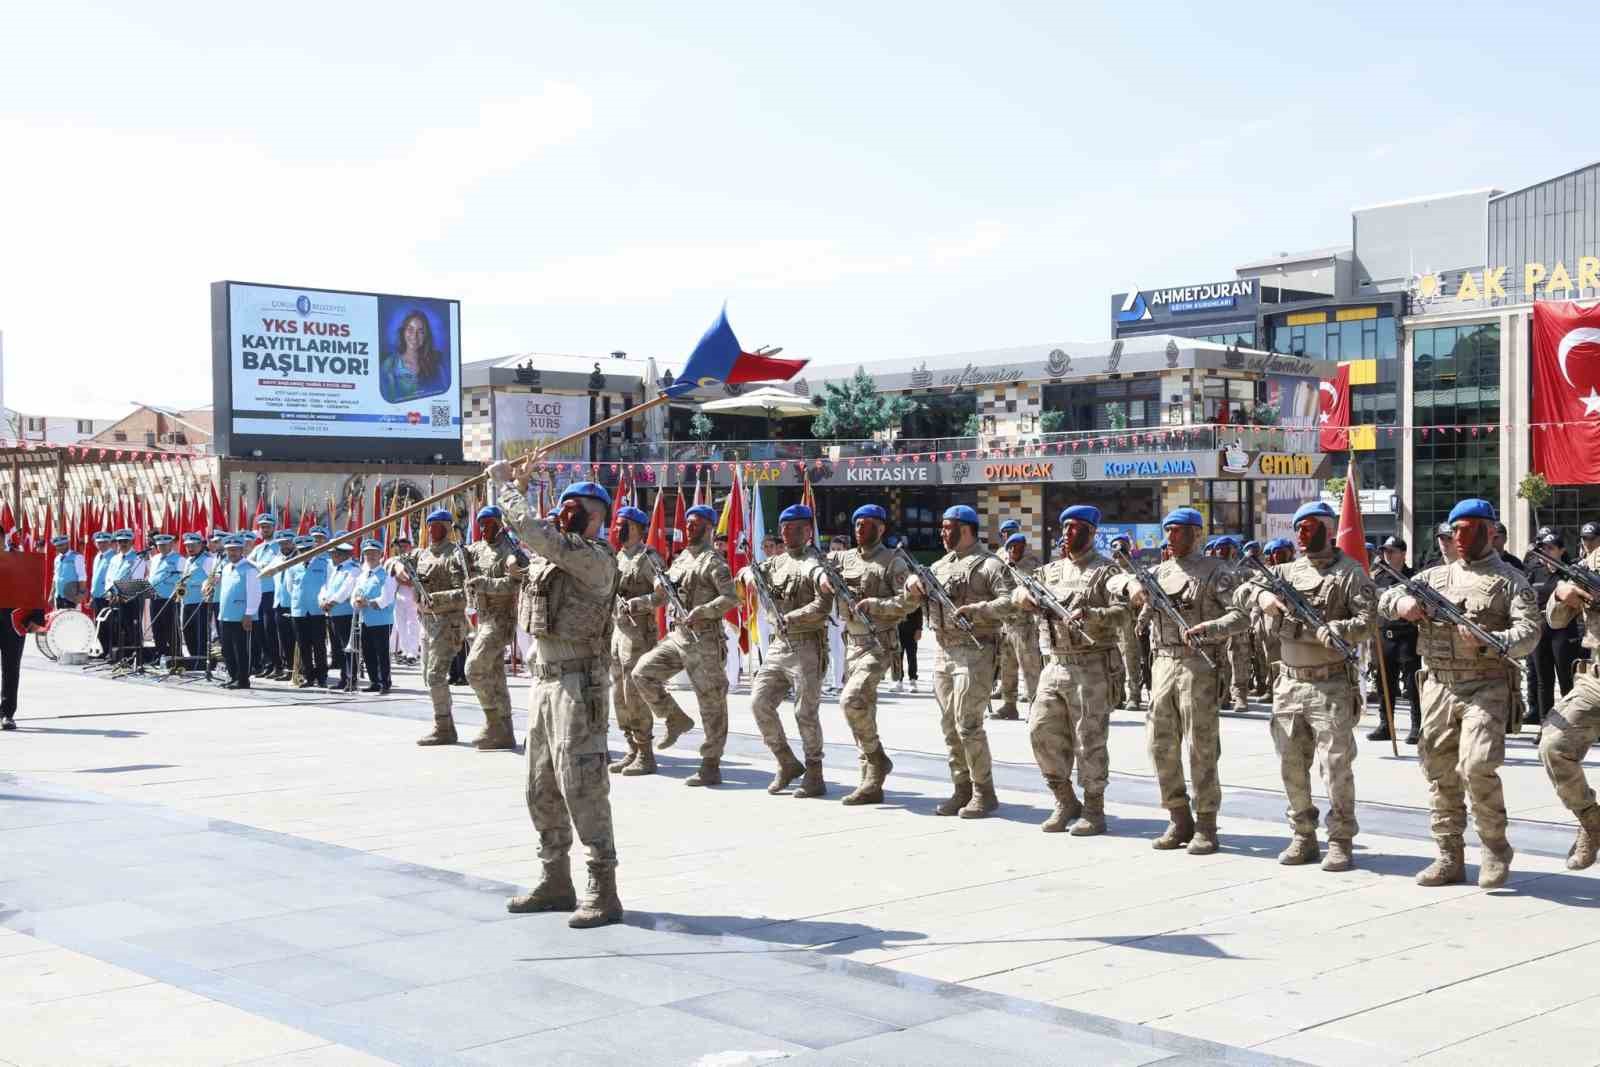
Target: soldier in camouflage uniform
(1236,673)
(1317,700)
(696,644)
(980,588)
(444,620)
(794,663)
(1071,713)
(573,585)
(1183,687)
(1467,692)
(635,635)
(1019,650)
(495,590)
(876,575)
(1127,681)
(1573,725)
(1260,676)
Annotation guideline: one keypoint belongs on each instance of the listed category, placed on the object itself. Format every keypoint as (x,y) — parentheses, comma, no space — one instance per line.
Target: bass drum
(68,631)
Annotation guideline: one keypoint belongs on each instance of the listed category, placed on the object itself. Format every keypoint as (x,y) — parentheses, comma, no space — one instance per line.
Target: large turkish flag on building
(1566,393)
(1333,411)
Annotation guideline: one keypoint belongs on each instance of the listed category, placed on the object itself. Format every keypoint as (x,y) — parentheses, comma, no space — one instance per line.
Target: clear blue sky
(877,180)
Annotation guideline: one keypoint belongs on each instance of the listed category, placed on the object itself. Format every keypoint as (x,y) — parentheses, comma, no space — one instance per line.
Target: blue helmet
(795,513)
(1314,509)
(1082,513)
(489,511)
(870,511)
(962,513)
(589,490)
(1277,544)
(440,515)
(1252,546)
(1018,538)
(1183,517)
(633,514)
(1010,526)
(701,511)
(1472,509)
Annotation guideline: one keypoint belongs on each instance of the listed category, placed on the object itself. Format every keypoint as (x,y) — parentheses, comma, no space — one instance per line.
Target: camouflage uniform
(877,579)
(1071,713)
(794,664)
(444,628)
(572,583)
(1238,666)
(497,617)
(1019,651)
(635,634)
(1569,730)
(1184,696)
(1316,702)
(707,591)
(963,680)
(1467,693)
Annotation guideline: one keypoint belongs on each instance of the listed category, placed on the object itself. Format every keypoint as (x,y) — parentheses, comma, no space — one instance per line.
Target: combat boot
(553,893)
(643,761)
(497,736)
(1241,704)
(812,784)
(677,725)
(710,773)
(1094,816)
(1582,853)
(789,769)
(1179,831)
(444,733)
(1007,713)
(982,803)
(957,801)
(1204,842)
(1494,865)
(1339,857)
(1302,849)
(1067,808)
(1451,866)
(626,761)
(875,768)
(601,906)
(1382,731)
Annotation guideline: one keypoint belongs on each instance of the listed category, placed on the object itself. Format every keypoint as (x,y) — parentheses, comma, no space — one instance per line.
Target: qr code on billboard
(440,416)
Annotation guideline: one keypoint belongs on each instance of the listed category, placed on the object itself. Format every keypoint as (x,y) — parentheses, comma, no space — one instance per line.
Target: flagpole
(526,464)
(1354,480)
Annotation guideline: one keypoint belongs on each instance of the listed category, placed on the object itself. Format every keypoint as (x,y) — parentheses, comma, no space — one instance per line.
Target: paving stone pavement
(286,878)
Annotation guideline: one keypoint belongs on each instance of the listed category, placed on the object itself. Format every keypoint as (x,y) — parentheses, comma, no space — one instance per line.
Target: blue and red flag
(718,359)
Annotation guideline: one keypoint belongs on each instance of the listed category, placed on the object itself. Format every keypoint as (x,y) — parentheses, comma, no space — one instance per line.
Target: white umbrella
(769,400)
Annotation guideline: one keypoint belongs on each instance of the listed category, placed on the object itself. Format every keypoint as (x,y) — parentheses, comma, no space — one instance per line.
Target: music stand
(129,591)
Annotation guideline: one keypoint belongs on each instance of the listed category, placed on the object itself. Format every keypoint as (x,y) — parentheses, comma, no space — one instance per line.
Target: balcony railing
(1140,439)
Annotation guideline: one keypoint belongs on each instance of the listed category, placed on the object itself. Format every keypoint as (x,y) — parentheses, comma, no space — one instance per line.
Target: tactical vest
(1486,599)
(557,607)
(1074,585)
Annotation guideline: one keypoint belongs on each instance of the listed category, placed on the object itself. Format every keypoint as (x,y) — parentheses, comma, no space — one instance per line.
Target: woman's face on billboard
(416,332)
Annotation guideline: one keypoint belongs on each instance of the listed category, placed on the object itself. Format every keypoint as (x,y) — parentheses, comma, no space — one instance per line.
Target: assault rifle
(1300,607)
(1161,602)
(1577,574)
(1049,602)
(674,601)
(1436,607)
(852,603)
(769,600)
(936,594)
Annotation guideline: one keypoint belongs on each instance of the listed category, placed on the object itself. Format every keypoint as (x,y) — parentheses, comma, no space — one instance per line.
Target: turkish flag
(1333,411)
(1566,393)
(1352,535)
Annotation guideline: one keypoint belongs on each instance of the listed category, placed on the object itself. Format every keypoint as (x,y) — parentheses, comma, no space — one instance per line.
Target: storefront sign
(1240,463)
(1278,465)
(1115,469)
(893,474)
(1489,285)
(1233,297)
(1042,471)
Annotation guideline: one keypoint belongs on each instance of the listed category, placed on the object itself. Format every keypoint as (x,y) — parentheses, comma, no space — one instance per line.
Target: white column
(1408,453)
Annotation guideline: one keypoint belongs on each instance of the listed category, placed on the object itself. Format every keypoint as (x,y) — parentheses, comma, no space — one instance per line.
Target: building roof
(1487,190)
(1282,258)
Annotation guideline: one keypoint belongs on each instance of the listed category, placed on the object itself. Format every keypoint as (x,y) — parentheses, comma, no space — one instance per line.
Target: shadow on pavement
(797,934)
(66,730)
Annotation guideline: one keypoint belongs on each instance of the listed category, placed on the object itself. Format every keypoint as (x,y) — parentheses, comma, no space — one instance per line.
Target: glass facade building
(1455,383)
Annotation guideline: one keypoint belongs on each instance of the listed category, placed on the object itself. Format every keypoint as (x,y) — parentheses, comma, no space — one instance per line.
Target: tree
(699,426)
(1052,421)
(856,409)
(972,427)
(1535,489)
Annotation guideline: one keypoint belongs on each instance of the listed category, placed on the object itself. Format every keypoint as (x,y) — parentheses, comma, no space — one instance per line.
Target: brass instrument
(352,647)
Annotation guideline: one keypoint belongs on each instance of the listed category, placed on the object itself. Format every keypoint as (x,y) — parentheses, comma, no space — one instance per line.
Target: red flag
(615,535)
(308,516)
(50,557)
(1333,411)
(1566,400)
(656,538)
(1352,537)
(218,516)
(679,525)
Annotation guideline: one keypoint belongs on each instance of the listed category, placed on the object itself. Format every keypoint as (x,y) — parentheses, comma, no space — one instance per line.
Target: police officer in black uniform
(1552,661)
(1398,646)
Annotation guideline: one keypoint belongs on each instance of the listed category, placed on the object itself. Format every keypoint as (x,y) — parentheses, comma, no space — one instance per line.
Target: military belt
(860,636)
(1448,675)
(1174,652)
(1086,655)
(562,667)
(1315,674)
